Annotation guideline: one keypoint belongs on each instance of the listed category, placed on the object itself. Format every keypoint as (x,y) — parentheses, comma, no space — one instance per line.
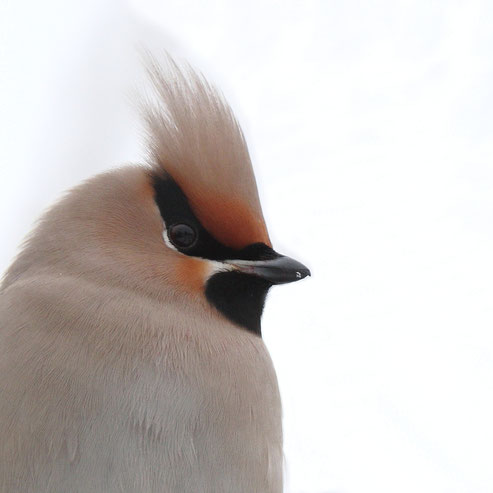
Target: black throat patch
(238,296)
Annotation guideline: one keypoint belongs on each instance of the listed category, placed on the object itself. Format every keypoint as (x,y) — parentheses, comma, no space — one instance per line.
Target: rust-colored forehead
(228,219)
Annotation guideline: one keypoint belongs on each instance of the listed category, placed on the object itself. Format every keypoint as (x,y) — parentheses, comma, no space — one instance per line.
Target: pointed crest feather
(195,138)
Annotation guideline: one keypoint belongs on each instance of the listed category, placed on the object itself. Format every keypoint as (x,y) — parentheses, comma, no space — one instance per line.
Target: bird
(131,349)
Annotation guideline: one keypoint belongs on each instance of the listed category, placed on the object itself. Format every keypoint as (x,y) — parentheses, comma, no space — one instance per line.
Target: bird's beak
(279,270)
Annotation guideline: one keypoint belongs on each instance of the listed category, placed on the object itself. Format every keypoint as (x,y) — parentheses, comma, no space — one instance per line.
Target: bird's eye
(182,235)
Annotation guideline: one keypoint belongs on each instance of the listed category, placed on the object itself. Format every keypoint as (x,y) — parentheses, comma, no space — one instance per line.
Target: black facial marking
(174,208)
(239,297)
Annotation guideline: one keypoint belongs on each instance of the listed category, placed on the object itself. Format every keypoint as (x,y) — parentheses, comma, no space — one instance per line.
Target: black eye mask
(239,294)
(182,227)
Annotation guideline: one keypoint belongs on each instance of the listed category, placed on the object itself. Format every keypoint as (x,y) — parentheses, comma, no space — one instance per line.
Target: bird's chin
(240,297)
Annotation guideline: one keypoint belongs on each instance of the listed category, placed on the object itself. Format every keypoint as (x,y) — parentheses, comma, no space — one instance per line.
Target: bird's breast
(149,395)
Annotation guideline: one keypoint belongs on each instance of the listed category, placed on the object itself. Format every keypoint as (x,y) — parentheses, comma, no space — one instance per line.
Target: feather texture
(195,137)
(115,376)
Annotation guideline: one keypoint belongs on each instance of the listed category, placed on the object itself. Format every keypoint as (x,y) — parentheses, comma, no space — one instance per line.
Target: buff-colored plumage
(195,134)
(116,375)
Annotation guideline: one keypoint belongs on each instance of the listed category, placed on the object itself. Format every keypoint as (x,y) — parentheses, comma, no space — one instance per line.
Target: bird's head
(207,196)
(190,225)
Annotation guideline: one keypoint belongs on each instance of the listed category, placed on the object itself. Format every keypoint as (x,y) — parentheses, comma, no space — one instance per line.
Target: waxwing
(131,356)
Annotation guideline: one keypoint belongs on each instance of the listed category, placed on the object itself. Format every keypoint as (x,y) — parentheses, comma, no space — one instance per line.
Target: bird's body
(117,372)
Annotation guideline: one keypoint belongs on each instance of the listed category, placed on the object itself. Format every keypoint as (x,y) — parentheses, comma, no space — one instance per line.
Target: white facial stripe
(168,243)
(216,267)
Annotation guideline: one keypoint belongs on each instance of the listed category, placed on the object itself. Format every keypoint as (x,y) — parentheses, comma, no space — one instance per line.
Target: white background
(371,129)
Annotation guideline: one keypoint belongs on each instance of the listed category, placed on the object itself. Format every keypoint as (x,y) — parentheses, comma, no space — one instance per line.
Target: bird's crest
(196,139)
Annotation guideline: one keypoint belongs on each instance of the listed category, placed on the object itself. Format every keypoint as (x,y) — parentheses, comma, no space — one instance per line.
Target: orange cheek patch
(229,220)
(192,272)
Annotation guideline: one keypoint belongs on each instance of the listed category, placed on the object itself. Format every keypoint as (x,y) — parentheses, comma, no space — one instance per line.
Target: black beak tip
(278,270)
(302,273)
(288,270)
